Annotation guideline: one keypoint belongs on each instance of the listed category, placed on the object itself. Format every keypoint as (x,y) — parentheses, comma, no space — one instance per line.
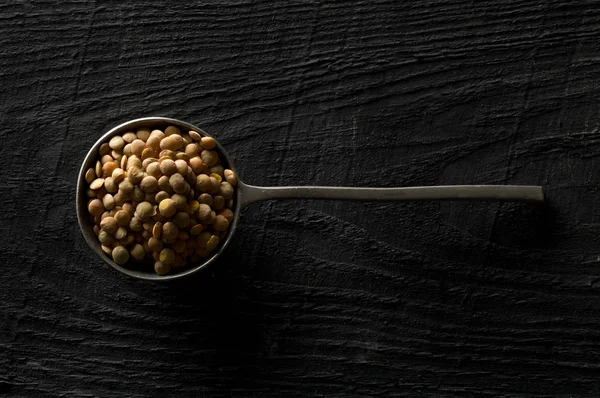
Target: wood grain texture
(314,298)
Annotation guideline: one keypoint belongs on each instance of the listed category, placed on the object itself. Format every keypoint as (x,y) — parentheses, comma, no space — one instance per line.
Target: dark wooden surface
(314,298)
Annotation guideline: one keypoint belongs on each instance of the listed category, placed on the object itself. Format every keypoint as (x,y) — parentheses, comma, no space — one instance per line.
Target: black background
(314,297)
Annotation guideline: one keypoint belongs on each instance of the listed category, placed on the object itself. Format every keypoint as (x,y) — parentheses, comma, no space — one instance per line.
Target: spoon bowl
(86,225)
(245,194)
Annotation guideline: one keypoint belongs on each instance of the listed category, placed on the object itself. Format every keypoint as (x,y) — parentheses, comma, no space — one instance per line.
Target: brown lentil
(171,143)
(118,175)
(154,143)
(96,207)
(209,157)
(153,170)
(206,198)
(135,174)
(105,159)
(161,268)
(123,162)
(105,238)
(216,177)
(228,214)
(182,167)
(168,167)
(143,134)
(230,177)
(182,156)
(167,154)
(187,139)
(219,202)
(180,201)
(110,185)
(97,183)
(135,224)
(98,169)
(120,255)
(104,149)
(138,252)
(127,150)
(196,229)
(192,150)
(215,185)
(203,212)
(147,153)
(190,177)
(208,142)
(181,219)
(108,201)
(197,165)
(203,183)
(172,130)
(167,207)
(129,137)
(109,224)
(157,229)
(195,136)
(90,175)
(218,169)
(160,196)
(144,211)
(106,249)
(128,207)
(121,233)
(169,232)
(167,256)
(226,190)
(221,223)
(133,161)
(155,244)
(157,133)
(178,183)
(122,217)
(163,184)
(137,194)
(120,198)
(149,184)
(212,243)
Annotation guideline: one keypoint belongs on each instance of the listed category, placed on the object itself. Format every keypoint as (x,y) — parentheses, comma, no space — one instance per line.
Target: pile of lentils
(160,198)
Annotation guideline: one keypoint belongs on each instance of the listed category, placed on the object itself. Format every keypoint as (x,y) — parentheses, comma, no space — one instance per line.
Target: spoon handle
(520,193)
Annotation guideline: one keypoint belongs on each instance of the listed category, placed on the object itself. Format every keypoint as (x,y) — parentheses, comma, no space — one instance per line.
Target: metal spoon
(246,194)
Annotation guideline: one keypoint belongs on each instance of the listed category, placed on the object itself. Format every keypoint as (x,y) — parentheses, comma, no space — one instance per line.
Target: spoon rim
(86,225)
